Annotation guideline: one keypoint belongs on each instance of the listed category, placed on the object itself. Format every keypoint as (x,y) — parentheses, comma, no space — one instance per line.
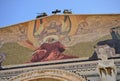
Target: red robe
(50,51)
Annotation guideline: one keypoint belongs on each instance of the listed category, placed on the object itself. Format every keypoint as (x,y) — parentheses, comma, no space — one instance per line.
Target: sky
(17,11)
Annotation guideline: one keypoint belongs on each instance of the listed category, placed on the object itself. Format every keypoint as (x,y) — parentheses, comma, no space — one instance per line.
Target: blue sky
(17,11)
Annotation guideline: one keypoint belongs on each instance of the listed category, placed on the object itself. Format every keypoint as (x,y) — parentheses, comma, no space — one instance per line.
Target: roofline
(61,15)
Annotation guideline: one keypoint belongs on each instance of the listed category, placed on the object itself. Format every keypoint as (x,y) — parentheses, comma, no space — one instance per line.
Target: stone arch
(49,74)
